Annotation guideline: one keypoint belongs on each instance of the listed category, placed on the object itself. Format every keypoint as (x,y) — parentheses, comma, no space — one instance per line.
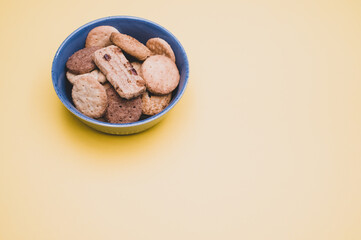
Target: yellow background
(265,143)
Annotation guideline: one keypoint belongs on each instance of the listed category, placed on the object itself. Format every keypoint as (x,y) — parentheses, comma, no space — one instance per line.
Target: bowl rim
(120,125)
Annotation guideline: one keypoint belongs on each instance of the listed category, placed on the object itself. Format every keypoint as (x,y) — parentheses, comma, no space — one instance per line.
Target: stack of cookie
(107,87)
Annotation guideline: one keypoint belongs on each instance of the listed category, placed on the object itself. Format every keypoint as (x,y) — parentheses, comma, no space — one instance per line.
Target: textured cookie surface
(121,110)
(137,66)
(81,61)
(153,104)
(160,74)
(130,45)
(100,36)
(98,75)
(159,46)
(119,72)
(89,96)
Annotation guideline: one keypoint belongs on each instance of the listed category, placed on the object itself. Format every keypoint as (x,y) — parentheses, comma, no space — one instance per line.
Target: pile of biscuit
(107,87)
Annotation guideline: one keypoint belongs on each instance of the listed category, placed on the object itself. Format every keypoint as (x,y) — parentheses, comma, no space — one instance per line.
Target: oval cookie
(160,74)
(130,45)
(81,61)
(98,75)
(159,46)
(153,104)
(100,36)
(121,110)
(89,96)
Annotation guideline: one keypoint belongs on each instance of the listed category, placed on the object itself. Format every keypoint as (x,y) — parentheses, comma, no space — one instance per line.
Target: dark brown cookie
(121,110)
(81,61)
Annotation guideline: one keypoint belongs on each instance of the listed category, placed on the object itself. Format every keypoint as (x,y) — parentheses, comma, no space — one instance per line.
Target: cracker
(119,72)
(89,96)
(130,45)
(153,104)
(100,36)
(81,62)
(160,74)
(159,46)
(121,110)
(98,75)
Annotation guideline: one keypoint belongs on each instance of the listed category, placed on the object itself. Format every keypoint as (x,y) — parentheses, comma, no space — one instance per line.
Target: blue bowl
(142,30)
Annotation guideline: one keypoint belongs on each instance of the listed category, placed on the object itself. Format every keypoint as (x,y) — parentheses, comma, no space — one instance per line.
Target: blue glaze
(142,30)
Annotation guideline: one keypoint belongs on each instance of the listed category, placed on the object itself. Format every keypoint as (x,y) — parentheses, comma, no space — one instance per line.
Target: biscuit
(98,75)
(81,62)
(89,96)
(137,66)
(160,74)
(153,104)
(100,36)
(121,110)
(130,45)
(119,72)
(159,46)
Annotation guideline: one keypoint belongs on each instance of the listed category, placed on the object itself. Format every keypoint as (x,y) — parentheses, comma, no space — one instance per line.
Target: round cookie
(100,36)
(159,46)
(137,66)
(89,96)
(130,45)
(81,61)
(153,104)
(98,75)
(121,110)
(160,74)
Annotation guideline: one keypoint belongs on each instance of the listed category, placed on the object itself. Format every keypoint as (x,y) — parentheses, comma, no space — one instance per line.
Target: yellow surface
(265,143)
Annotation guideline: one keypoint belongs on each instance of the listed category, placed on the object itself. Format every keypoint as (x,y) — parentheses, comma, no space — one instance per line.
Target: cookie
(159,46)
(98,75)
(130,45)
(100,36)
(137,66)
(121,110)
(119,72)
(153,104)
(81,61)
(89,96)
(160,74)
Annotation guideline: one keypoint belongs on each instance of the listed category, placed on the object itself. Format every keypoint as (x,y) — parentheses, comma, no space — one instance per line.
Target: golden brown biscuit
(130,45)
(160,74)
(153,104)
(89,96)
(119,72)
(159,46)
(100,36)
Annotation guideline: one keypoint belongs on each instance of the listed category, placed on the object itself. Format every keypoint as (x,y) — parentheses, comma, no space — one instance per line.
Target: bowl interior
(138,28)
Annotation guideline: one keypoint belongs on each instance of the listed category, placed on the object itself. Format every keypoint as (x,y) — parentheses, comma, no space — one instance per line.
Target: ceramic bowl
(142,30)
